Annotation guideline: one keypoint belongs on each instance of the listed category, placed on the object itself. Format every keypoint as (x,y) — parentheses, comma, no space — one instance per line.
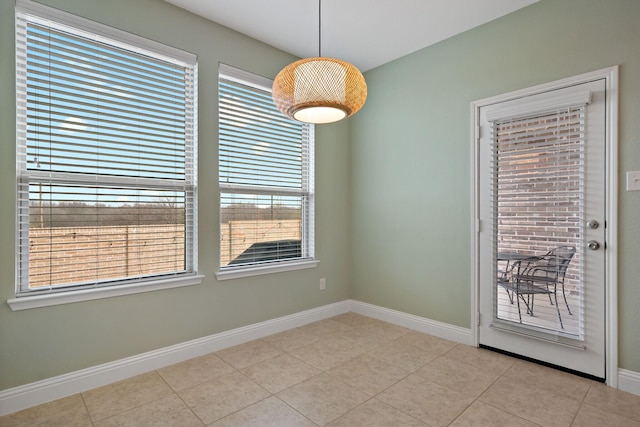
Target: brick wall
(538,182)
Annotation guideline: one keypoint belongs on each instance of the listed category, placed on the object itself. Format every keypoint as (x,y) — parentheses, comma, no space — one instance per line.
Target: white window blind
(106,156)
(538,175)
(265,176)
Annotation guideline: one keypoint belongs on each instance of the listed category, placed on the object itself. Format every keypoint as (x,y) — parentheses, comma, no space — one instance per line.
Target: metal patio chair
(540,275)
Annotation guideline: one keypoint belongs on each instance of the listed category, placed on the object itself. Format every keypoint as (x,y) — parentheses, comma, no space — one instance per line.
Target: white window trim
(256,270)
(51,16)
(241,271)
(88,294)
(115,37)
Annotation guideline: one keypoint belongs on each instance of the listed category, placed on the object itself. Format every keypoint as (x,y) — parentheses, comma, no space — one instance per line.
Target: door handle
(593,245)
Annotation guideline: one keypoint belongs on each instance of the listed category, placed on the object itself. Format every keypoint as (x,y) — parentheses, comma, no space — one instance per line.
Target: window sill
(239,272)
(45,300)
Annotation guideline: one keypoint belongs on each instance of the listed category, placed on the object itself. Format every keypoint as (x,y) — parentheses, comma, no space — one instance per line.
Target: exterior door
(541,223)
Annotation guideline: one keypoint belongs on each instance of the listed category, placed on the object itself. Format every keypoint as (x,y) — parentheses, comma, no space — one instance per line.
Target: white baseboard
(629,381)
(421,324)
(28,395)
(22,397)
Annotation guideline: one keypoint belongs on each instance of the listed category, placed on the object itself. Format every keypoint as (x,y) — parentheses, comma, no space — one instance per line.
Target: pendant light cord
(319,28)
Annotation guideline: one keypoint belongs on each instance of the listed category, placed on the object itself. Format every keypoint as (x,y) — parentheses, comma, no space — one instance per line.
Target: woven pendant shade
(319,90)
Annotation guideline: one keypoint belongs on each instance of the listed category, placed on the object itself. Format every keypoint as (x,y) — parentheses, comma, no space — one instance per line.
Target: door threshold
(546,364)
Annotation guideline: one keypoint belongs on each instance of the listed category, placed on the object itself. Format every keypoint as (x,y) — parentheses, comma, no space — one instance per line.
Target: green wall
(410,151)
(40,343)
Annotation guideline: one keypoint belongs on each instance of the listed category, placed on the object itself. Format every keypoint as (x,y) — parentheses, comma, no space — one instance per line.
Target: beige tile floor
(349,370)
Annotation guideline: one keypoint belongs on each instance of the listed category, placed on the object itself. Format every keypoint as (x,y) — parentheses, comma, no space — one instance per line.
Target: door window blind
(538,175)
(265,176)
(105,158)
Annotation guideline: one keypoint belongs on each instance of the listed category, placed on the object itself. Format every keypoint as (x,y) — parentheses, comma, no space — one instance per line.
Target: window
(106,166)
(265,178)
(539,205)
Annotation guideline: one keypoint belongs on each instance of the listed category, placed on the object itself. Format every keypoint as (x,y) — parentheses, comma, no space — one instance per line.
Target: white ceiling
(366,33)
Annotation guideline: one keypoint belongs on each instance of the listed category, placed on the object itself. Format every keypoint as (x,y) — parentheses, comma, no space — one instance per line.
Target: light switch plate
(633,181)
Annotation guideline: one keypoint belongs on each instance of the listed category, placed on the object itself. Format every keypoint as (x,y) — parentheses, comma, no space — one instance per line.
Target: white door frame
(611,206)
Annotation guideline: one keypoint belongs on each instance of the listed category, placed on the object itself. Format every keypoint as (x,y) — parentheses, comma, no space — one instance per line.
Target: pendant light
(319,90)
